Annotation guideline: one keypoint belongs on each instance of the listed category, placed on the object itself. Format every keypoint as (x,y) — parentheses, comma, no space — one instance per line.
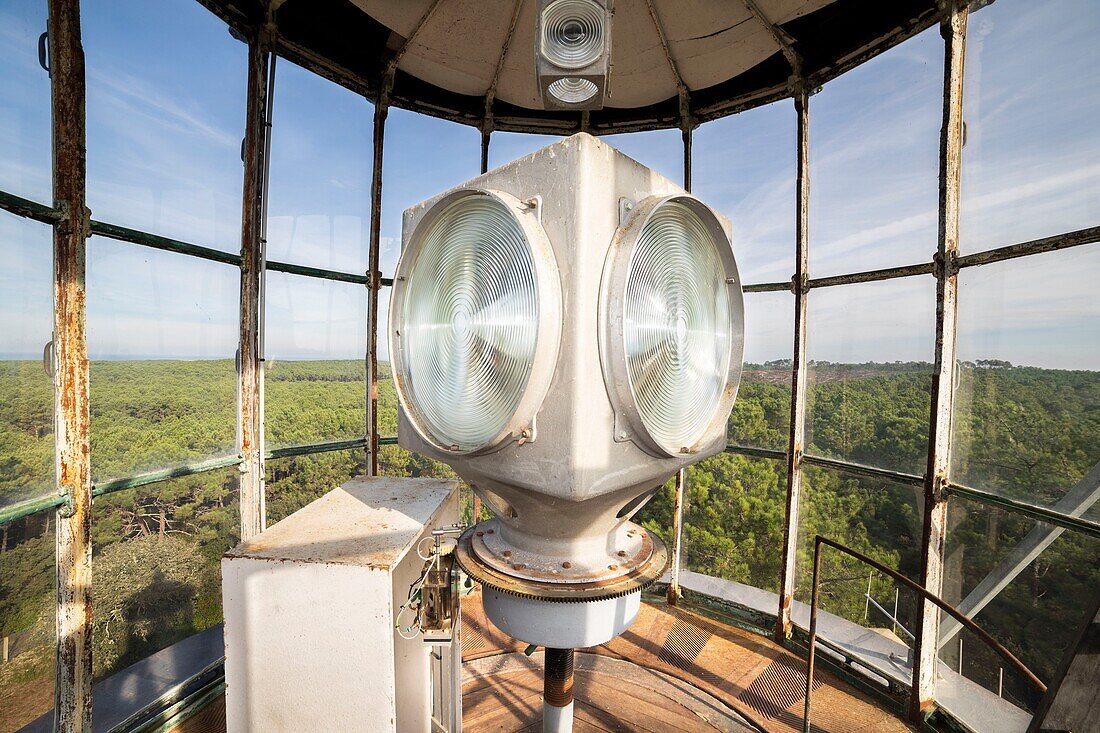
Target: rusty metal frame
(491,92)
(673,592)
(72,225)
(927,598)
(937,473)
(799,373)
(73,671)
(782,39)
(381,110)
(250,361)
(860,469)
(676,552)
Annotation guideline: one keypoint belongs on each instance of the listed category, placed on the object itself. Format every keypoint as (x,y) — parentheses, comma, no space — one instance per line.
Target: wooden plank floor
(504,693)
(748,673)
(671,671)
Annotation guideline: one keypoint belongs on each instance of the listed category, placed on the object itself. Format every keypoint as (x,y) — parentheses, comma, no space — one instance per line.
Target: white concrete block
(310,606)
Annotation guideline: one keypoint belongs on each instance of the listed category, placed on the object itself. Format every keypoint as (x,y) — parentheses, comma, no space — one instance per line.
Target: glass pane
(744,166)
(314,378)
(1026,583)
(1029,379)
(734,519)
(26,620)
(1032,142)
(156,564)
(424,156)
(660,150)
(394,460)
(762,414)
(25,166)
(165,122)
(294,482)
(877,518)
(321,153)
(868,395)
(162,333)
(874,152)
(504,147)
(26,391)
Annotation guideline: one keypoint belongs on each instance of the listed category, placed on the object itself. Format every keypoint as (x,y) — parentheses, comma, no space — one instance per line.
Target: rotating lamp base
(561,625)
(493,576)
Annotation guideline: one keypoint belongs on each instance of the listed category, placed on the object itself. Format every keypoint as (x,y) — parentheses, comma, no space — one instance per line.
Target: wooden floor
(504,693)
(671,671)
(756,679)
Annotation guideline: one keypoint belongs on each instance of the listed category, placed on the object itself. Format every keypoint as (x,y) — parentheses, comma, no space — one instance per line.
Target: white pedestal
(309,612)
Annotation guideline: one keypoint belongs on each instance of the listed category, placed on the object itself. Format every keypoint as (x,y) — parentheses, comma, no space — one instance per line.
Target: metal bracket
(49,359)
(67,509)
(625,207)
(44,52)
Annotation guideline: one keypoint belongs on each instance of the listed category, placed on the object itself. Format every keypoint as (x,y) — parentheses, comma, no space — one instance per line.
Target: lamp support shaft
(557,691)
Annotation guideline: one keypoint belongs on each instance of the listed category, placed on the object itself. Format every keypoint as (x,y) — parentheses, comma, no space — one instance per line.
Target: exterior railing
(946,607)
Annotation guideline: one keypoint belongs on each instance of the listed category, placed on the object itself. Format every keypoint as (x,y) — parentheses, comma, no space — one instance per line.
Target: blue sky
(165,118)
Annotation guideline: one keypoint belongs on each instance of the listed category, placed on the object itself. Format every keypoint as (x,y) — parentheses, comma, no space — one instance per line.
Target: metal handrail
(916,588)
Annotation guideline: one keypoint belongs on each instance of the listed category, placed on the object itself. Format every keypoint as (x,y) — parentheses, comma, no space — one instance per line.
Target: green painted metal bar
(870,276)
(1090,235)
(28,209)
(305,450)
(784,287)
(325,274)
(1042,514)
(152,477)
(748,450)
(318,272)
(133,236)
(864,470)
(31,506)
(388,440)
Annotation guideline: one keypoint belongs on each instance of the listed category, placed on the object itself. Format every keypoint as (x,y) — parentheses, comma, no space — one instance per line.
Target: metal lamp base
(561,625)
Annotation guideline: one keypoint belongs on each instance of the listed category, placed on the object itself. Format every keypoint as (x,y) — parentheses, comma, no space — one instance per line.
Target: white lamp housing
(572,52)
(566,331)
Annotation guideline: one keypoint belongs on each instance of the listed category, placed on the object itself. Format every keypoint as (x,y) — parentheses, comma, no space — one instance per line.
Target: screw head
(567,564)
(489,531)
(621,553)
(518,566)
(507,553)
(612,567)
(479,533)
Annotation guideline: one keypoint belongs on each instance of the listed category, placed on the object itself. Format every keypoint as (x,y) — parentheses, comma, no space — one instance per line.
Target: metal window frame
(73,227)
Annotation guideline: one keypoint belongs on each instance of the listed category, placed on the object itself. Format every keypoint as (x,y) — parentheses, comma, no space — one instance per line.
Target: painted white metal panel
(309,612)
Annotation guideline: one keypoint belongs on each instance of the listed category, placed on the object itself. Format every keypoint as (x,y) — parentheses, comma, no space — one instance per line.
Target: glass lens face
(469,322)
(676,326)
(572,33)
(573,90)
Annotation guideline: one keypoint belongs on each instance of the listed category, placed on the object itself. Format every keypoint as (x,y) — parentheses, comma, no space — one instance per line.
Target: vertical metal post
(381,110)
(485,134)
(811,653)
(250,425)
(686,134)
(933,535)
(673,594)
(73,690)
(800,288)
